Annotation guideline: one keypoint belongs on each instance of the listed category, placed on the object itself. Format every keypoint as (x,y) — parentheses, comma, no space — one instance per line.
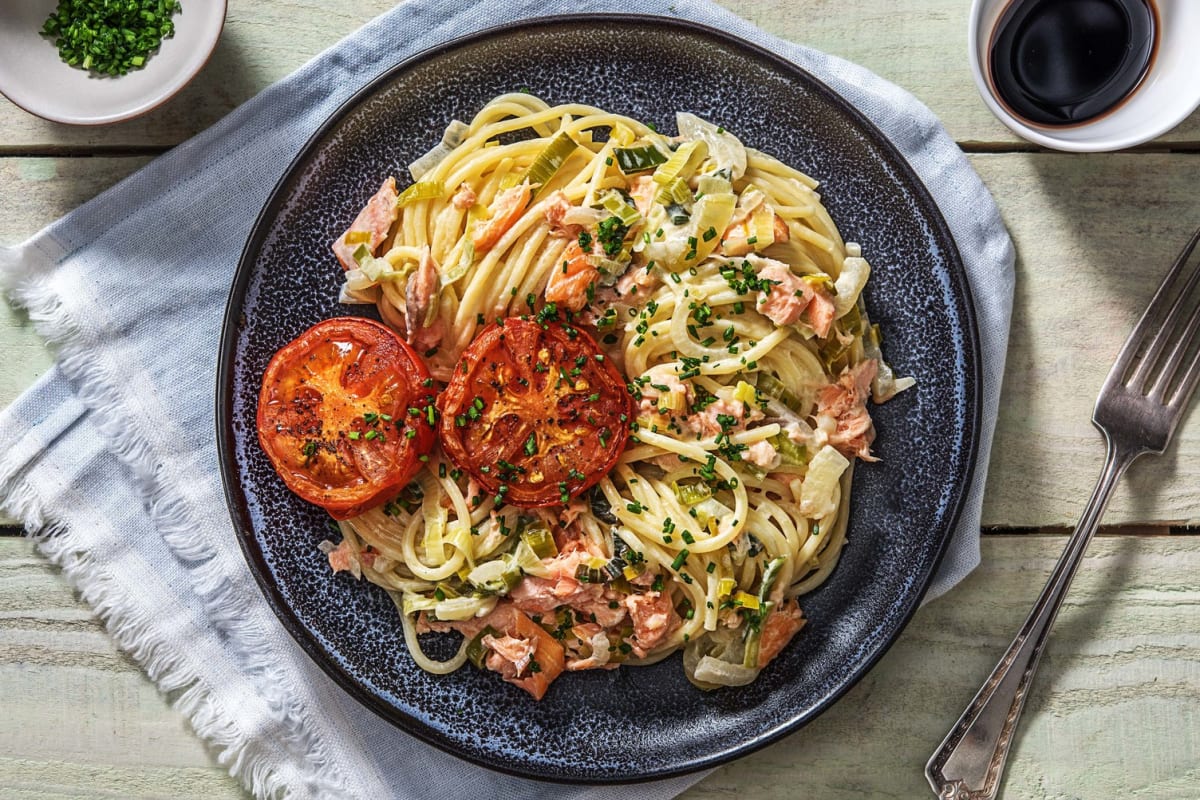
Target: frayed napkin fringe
(232,748)
(25,268)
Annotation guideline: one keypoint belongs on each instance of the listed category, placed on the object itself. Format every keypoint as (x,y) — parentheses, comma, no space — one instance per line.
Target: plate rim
(226,445)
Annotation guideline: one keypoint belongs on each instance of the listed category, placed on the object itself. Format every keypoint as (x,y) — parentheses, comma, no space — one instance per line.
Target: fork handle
(970,761)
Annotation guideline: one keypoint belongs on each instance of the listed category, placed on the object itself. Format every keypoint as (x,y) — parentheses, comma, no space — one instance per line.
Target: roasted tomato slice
(346,414)
(534,412)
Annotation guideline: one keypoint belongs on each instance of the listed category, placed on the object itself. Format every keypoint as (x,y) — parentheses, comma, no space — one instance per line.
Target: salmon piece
(568,284)
(821,310)
(524,654)
(568,220)
(762,455)
(571,552)
(784,622)
(643,189)
(545,595)
(343,558)
(846,402)
(509,656)
(559,588)
(536,595)
(464,197)
(679,394)
(782,234)
(376,218)
(790,296)
(654,619)
(704,423)
(557,208)
(784,301)
(506,208)
(421,296)
(548,659)
(599,608)
(643,279)
(542,595)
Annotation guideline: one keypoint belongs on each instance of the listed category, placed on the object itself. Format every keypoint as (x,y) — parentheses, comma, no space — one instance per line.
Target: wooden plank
(918,44)
(40,191)
(1094,235)
(89,722)
(43,189)
(1115,711)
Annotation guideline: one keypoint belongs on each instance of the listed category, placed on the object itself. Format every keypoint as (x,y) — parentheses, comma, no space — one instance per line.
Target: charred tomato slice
(346,415)
(534,412)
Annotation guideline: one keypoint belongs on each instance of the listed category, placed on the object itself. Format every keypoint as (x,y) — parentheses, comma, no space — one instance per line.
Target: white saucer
(1168,94)
(34,77)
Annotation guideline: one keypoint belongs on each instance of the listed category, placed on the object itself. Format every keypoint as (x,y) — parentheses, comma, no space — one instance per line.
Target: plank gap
(1161,529)
(92,151)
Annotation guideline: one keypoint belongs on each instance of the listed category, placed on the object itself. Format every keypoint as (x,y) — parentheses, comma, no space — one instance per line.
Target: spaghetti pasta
(711,276)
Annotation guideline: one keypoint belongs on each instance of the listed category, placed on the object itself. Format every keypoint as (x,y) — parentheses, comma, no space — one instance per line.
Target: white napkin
(110,459)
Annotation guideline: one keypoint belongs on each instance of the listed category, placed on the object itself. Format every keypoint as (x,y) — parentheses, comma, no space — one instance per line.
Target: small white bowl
(33,76)
(1166,96)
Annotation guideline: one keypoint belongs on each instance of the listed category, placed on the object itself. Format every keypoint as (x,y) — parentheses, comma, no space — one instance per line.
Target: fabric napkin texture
(111,461)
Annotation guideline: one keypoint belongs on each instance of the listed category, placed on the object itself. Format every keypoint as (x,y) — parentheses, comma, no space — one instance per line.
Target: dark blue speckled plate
(630,724)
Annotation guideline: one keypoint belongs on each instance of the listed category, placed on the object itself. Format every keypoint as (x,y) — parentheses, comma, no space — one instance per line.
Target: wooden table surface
(1115,711)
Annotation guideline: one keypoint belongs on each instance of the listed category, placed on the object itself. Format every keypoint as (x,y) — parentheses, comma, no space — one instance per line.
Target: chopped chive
(110,38)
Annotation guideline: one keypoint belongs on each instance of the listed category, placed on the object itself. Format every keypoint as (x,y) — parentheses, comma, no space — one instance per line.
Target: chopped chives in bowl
(110,37)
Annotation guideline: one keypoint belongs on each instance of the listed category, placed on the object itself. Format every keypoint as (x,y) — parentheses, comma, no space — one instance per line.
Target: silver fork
(1138,409)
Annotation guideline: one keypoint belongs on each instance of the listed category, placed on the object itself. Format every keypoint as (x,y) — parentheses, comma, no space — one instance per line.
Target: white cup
(1168,93)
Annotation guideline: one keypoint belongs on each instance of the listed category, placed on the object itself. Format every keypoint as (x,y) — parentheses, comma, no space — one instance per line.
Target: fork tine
(1158,339)
(1159,391)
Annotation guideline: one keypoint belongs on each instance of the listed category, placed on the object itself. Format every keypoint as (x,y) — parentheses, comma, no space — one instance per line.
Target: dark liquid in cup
(1063,62)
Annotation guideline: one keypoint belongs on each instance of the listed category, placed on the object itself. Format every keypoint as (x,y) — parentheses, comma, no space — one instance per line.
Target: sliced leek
(631,160)
(682,163)
(548,162)
(421,190)
(615,204)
